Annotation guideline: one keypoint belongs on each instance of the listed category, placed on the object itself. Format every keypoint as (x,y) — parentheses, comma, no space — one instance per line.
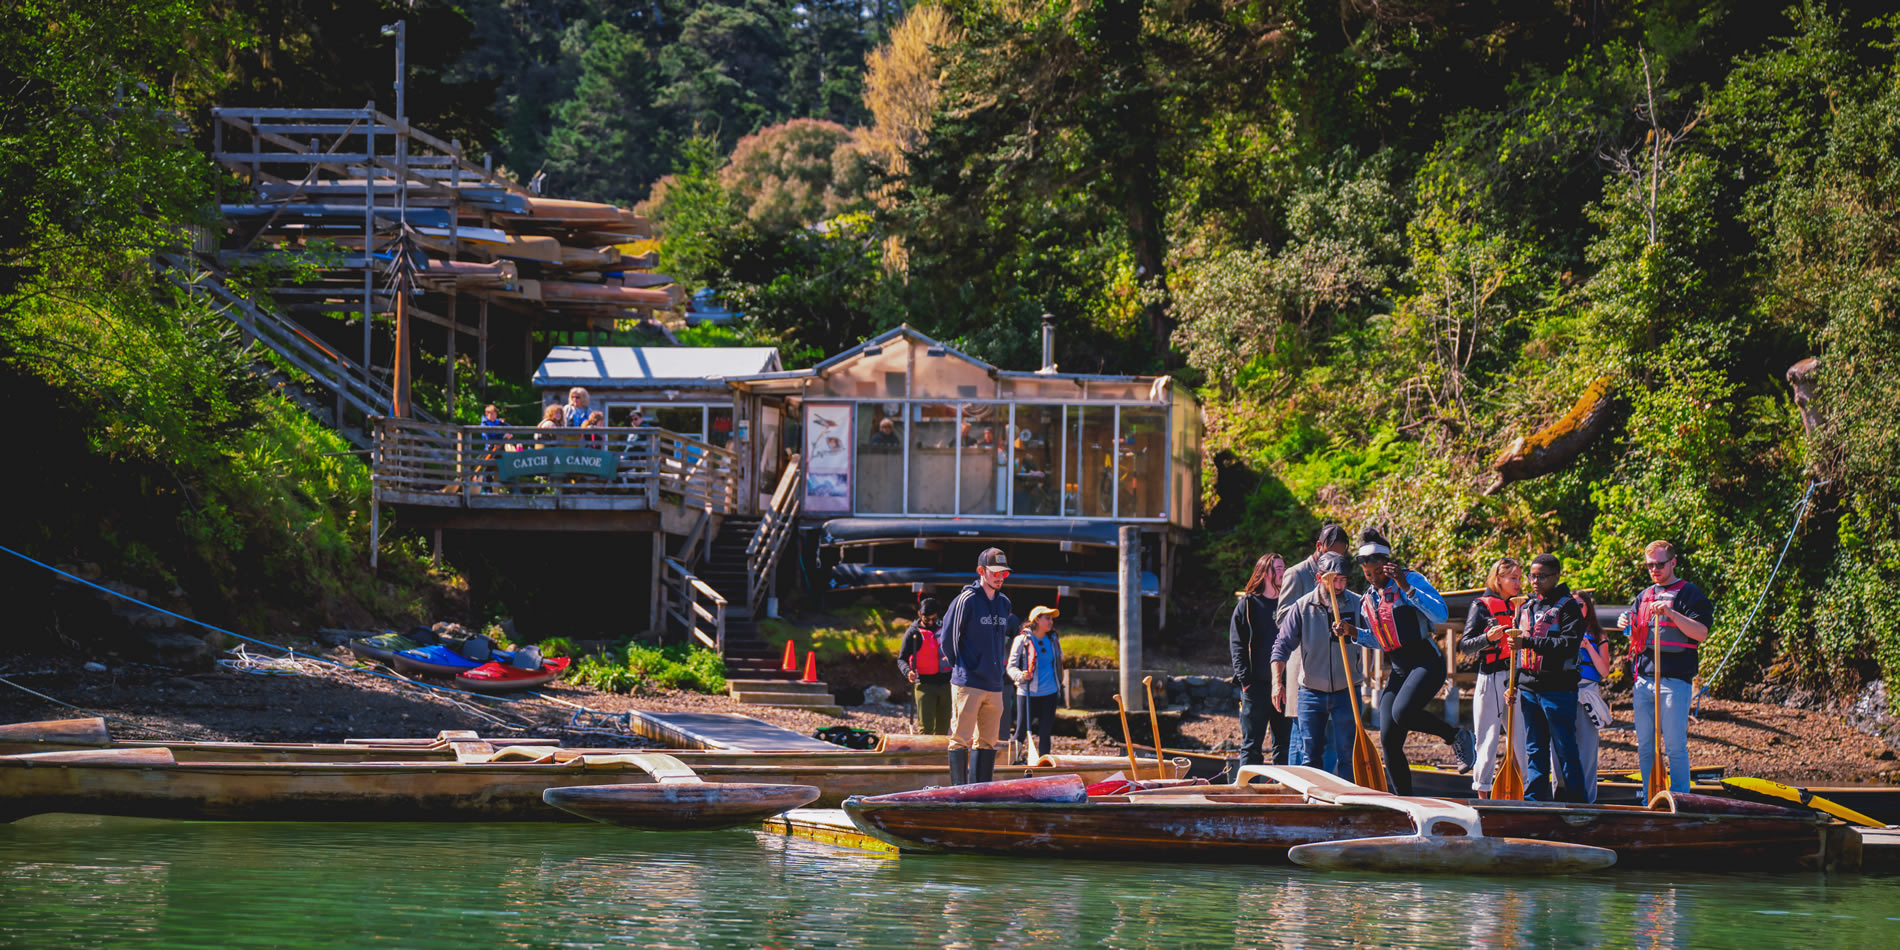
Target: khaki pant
(974,711)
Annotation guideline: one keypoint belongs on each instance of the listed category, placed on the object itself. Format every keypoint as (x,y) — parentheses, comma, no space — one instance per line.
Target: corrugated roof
(640,365)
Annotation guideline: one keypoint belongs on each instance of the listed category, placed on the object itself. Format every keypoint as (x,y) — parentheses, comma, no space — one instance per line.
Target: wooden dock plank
(722,732)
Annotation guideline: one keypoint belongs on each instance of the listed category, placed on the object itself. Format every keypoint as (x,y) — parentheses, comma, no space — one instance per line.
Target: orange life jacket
(1500,611)
(1673,639)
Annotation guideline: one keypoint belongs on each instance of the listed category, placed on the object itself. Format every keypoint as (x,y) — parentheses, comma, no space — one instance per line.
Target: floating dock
(1879,849)
(722,732)
(828,825)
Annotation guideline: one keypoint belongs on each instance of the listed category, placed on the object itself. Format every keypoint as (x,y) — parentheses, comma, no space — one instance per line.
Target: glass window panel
(1143,474)
(1118,390)
(1038,477)
(719,420)
(934,452)
(622,415)
(1092,430)
(688,421)
(880,474)
(983,458)
(1031,388)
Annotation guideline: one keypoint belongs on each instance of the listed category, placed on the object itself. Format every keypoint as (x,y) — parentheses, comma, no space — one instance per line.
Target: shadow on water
(88,882)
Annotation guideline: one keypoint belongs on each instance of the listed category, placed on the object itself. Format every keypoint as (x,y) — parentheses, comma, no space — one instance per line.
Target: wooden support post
(399,397)
(654,617)
(1161,577)
(481,350)
(1129,537)
(375,527)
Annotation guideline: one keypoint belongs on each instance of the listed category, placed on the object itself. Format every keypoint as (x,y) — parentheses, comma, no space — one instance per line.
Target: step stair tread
(776,686)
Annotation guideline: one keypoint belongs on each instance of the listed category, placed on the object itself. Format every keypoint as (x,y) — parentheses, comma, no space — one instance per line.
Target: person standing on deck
(921,661)
(1593,714)
(1249,640)
(1299,580)
(1396,616)
(976,632)
(575,413)
(1551,625)
(1035,663)
(1678,613)
(1485,628)
(1329,681)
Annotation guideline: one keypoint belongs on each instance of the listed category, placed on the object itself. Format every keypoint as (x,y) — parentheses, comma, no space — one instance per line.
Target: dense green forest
(1385,240)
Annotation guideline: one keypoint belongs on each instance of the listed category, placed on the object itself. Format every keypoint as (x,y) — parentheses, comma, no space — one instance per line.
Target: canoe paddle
(1154,720)
(1658,763)
(1134,773)
(1508,785)
(1368,768)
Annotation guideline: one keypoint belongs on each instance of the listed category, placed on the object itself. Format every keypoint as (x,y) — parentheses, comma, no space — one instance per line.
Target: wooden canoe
(66,735)
(1260,823)
(152,783)
(678,800)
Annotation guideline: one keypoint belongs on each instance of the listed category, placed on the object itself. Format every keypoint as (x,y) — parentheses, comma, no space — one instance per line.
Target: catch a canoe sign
(543,461)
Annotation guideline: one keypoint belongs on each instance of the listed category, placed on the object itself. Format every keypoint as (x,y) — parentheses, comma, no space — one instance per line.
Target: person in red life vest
(1679,613)
(921,661)
(1250,638)
(1485,626)
(1396,615)
(1552,629)
(976,632)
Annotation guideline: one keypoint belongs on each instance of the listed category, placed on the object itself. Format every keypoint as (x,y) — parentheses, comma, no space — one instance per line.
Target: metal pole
(1129,540)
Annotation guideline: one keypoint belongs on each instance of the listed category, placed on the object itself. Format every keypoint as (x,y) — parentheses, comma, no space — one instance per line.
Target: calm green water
(99,882)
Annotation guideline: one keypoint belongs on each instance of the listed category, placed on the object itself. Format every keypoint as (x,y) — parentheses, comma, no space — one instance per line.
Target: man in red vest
(921,660)
(1679,613)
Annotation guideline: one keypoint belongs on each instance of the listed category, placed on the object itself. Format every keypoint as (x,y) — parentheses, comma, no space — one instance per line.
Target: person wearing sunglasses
(975,636)
(1679,614)
(1551,630)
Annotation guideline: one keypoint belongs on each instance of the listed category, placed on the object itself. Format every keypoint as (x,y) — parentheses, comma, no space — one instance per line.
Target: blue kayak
(439,660)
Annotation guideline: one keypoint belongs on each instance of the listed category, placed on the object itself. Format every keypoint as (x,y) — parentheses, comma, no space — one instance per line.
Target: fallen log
(1558,444)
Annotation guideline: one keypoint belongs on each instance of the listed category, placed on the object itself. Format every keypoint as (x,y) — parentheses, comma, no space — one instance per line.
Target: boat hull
(677,806)
(1261,833)
(148,783)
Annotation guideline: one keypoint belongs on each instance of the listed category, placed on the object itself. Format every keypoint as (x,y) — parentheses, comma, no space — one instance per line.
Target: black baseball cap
(993,557)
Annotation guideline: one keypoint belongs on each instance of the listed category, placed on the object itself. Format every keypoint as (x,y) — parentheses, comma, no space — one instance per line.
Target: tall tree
(605,145)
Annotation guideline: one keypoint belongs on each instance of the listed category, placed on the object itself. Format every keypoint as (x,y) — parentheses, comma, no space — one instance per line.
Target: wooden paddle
(1154,720)
(1134,773)
(1508,784)
(1368,767)
(1658,762)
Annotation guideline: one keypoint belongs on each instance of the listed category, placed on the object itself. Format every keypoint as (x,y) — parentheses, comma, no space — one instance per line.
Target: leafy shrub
(638,665)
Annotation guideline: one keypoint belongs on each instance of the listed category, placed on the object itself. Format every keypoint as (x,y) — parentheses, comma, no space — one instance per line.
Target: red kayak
(495,677)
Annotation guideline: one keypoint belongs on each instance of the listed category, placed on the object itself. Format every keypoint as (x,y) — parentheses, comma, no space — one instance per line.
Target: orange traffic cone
(811,667)
(791,658)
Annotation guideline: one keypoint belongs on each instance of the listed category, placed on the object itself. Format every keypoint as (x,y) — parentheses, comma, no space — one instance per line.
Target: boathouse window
(881,435)
(1141,475)
(982,458)
(933,458)
(1039,473)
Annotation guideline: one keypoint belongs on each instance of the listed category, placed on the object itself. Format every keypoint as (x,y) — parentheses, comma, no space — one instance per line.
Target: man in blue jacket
(975,636)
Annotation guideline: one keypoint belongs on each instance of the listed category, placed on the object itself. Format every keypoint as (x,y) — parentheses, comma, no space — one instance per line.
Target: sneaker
(1465,747)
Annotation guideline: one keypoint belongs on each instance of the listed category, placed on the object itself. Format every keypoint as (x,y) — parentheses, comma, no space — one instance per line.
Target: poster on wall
(828,456)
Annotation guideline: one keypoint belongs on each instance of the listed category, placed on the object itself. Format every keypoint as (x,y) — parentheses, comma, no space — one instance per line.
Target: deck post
(1129,537)
(658,535)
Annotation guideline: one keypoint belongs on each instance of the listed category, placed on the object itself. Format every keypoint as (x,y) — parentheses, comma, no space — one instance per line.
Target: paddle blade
(1368,767)
(1451,855)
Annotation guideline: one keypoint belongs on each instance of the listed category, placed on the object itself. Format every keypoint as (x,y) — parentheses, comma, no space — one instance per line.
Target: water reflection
(113,883)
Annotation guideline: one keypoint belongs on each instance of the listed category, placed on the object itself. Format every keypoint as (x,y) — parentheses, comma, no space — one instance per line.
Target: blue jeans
(1328,721)
(1259,723)
(1675,728)
(1550,725)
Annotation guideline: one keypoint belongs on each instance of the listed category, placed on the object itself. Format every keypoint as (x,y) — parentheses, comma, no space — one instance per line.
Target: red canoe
(494,677)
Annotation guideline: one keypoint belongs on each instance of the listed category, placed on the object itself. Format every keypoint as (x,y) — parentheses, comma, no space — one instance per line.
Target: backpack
(928,660)
(526,658)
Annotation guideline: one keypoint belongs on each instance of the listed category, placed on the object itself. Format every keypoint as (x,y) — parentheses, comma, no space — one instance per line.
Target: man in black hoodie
(976,633)
(1551,625)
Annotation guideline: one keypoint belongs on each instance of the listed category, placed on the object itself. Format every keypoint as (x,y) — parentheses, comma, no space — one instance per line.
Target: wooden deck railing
(424,463)
(698,609)
(775,528)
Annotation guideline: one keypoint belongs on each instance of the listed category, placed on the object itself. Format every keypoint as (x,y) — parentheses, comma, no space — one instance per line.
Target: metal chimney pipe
(1048,343)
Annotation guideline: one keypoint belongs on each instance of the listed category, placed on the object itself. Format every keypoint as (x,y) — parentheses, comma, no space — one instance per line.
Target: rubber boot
(983,769)
(959,766)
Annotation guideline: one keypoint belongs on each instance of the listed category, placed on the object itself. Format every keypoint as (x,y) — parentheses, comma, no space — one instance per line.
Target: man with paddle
(1396,615)
(1667,627)
(976,631)
(1329,677)
(1549,629)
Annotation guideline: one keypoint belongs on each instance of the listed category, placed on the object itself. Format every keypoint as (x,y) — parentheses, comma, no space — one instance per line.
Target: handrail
(775,526)
(441,465)
(681,602)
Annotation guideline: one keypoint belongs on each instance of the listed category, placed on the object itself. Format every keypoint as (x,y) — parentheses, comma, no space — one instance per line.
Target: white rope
(1799,511)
